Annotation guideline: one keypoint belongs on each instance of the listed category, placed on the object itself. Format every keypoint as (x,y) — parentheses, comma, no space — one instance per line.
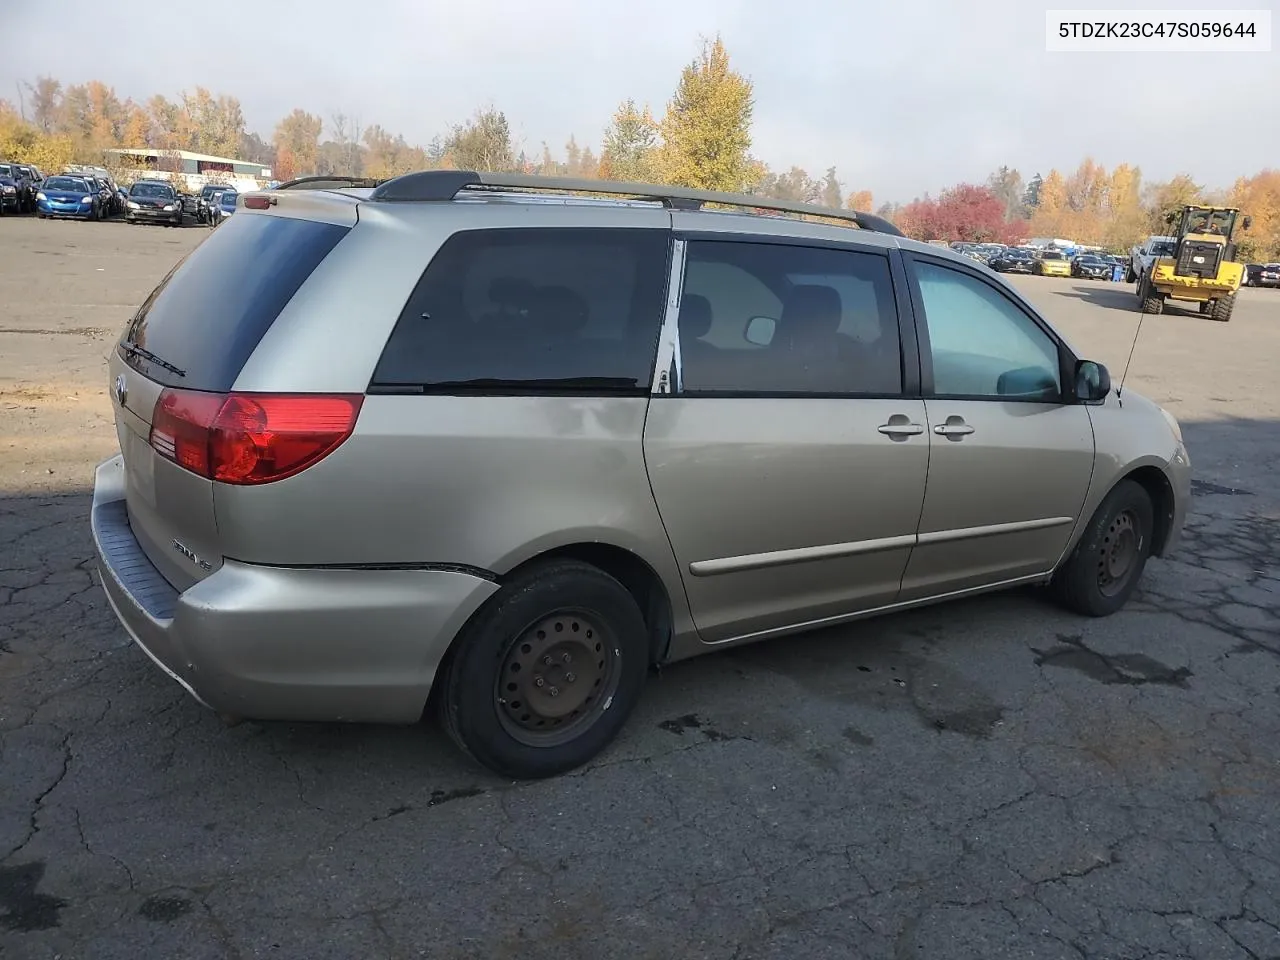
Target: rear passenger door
(1011,451)
(788,459)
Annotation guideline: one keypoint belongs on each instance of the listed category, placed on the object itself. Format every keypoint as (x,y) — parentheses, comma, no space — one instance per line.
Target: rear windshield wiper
(133,350)
(502,384)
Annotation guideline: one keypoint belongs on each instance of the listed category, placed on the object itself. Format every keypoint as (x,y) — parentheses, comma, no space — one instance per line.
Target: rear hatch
(178,359)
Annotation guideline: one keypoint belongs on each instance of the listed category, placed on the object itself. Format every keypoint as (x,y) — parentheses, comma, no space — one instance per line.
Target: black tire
(1223,307)
(1151,301)
(1106,565)
(586,613)
(1129,275)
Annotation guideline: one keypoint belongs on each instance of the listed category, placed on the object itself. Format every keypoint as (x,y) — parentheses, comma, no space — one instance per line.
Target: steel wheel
(557,678)
(1118,552)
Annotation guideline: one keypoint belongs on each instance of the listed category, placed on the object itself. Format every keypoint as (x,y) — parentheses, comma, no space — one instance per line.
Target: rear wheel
(1106,565)
(544,676)
(1222,308)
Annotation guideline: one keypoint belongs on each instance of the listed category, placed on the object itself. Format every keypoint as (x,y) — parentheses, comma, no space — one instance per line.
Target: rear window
(533,310)
(209,314)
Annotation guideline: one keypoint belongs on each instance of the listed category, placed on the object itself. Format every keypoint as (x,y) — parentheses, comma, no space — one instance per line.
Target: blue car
(227,202)
(64,196)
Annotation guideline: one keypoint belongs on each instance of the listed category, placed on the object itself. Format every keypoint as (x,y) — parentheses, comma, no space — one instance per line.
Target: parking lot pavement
(989,779)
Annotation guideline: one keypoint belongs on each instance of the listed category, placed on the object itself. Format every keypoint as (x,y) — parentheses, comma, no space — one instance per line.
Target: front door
(788,465)
(1010,455)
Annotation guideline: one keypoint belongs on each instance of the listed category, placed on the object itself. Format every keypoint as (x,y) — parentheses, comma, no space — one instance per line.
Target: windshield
(209,191)
(1052,255)
(159,190)
(67,183)
(229,198)
(5,170)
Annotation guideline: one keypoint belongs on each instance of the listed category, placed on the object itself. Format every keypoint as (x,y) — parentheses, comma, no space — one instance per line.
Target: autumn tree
(389,156)
(579,161)
(629,144)
(213,124)
(706,132)
(1006,183)
(46,100)
(1031,196)
(795,185)
(1258,197)
(1125,218)
(860,200)
(1166,201)
(297,140)
(482,143)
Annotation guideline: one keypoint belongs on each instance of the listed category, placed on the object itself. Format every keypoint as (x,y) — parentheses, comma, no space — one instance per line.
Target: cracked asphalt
(989,779)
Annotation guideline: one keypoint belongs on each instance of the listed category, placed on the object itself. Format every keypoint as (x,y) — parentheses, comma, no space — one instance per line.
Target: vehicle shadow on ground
(1110,296)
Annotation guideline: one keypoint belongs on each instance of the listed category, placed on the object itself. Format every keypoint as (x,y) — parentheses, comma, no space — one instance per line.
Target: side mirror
(760,331)
(1093,382)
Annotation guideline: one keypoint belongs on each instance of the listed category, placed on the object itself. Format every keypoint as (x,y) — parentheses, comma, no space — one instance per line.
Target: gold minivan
(503,443)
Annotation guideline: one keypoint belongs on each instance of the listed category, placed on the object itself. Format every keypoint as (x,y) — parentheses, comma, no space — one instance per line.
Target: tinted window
(783,319)
(982,344)
(74,184)
(534,310)
(209,314)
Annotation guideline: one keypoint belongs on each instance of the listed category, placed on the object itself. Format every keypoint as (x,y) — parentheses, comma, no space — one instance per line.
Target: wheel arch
(1157,486)
(631,570)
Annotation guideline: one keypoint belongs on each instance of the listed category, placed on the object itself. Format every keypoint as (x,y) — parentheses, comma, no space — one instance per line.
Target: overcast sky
(902,97)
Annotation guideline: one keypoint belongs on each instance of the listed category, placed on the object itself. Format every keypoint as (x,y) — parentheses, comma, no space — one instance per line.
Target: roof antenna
(1133,346)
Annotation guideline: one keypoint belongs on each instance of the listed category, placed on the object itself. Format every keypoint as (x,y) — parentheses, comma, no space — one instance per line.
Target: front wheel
(1106,565)
(1223,308)
(544,676)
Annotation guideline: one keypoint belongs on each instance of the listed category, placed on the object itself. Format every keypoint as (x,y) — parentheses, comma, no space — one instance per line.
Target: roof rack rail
(439,185)
(330,182)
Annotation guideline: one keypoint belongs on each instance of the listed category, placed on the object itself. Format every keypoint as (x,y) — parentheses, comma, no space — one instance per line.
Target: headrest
(810,312)
(695,316)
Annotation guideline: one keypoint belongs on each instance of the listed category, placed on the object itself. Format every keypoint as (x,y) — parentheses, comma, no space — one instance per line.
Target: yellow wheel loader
(1203,268)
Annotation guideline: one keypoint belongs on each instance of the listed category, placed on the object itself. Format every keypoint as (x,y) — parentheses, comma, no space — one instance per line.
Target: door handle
(955,428)
(902,428)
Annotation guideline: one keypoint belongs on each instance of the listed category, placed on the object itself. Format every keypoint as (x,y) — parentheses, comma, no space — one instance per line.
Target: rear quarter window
(533,310)
(210,313)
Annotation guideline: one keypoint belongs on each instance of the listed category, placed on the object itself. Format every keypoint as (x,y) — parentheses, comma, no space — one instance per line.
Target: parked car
(522,478)
(1012,261)
(1051,263)
(67,196)
(10,199)
(206,199)
(1269,275)
(153,201)
(106,194)
(34,177)
(1090,266)
(24,188)
(227,203)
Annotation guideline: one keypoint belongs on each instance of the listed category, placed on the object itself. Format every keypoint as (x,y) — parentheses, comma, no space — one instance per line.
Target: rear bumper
(276,643)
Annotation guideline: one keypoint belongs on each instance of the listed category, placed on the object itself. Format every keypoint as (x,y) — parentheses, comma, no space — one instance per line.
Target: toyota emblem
(122,390)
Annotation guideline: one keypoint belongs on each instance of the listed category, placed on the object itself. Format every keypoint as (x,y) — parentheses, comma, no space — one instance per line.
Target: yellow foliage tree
(706,132)
(861,201)
(1258,197)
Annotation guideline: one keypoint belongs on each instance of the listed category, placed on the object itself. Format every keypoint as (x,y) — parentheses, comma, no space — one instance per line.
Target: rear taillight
(250,438)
